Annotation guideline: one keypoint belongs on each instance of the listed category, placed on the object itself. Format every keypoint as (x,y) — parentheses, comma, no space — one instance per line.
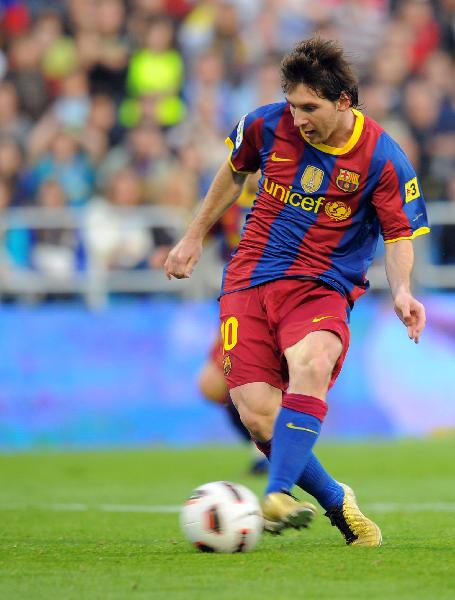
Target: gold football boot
(356,528)
(281,509)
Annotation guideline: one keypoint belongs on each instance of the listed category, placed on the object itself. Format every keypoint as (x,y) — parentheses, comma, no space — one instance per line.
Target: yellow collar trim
(358,128)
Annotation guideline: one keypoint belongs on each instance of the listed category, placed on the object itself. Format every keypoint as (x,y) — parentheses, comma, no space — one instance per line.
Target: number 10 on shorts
(229,331)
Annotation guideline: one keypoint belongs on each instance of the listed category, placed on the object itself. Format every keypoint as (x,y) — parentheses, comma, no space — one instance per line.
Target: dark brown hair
(320,65)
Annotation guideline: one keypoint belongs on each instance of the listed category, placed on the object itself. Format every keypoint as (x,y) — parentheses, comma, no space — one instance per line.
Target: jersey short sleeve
(398,199)
(245,142)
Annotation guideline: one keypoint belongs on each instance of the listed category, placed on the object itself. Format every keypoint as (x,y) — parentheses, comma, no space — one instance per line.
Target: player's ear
(343,103)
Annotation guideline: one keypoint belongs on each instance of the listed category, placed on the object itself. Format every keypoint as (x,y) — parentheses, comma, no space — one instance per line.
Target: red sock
(264,447)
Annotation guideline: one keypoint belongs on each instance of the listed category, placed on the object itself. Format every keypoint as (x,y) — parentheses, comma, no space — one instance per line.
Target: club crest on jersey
(311,179)
(227,364)
(348,181)
(338,211)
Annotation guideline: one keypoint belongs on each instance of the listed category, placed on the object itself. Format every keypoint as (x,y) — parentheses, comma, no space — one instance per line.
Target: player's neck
(342,134)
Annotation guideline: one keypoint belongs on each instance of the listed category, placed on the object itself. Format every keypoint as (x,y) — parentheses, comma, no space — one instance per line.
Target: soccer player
(332,180)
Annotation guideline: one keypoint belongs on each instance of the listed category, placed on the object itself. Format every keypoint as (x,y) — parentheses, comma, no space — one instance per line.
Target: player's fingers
(419,320)
(413,334)
(175,265)
(166,269)
(406,315)
(415,330)
(403,311)
(189,267)
(169,266)
(172,270)
(177,273)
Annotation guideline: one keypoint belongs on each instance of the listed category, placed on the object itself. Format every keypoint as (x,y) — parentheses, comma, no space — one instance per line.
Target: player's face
(319,119)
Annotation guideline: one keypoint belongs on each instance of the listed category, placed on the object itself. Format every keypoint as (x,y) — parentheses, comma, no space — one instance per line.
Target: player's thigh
(316,327)
(250,350)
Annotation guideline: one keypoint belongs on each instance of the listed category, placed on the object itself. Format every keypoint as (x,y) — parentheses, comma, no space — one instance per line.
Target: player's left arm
(400,207)
(399,260)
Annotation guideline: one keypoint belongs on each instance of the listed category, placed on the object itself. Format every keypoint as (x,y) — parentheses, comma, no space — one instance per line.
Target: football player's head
(321,66)
(321,90)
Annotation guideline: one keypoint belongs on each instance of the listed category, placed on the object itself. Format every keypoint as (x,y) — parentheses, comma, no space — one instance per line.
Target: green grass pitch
(68,529)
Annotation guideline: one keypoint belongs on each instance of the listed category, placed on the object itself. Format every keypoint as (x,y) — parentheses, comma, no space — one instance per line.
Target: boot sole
(295,520)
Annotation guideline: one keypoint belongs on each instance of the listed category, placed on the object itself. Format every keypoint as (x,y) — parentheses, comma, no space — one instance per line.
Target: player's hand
(412,313)
(182,258)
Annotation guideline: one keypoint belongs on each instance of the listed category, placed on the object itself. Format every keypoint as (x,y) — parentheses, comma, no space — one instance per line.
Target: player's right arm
(224,191)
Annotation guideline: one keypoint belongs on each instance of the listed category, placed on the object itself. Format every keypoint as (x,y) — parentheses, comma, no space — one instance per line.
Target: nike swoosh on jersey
(292,426)
(317,319)
(276,158)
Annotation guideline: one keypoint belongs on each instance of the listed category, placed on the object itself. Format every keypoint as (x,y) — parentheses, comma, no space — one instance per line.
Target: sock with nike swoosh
(317,482)
(296,430)
(314,480)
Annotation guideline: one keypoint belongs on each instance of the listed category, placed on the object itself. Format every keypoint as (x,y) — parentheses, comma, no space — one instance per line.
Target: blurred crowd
(113,103)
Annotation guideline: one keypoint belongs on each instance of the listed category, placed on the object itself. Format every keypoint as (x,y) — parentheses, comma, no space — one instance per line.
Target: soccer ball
(222,517)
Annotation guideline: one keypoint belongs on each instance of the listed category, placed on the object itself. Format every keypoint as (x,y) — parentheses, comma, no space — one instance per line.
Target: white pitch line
(378,507)
(139,508)
(411,507)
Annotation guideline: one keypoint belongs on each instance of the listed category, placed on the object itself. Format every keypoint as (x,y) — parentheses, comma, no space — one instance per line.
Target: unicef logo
(338,211)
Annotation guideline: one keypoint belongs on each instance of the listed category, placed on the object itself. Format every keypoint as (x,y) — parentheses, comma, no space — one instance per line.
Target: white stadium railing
(95,282)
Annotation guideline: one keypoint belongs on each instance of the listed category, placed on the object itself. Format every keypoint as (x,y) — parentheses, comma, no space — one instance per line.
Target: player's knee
(258,404)
(259,425)
(315,369)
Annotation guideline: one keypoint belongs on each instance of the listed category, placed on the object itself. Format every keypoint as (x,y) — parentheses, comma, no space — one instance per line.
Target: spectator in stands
(227,40)
(142,12)
(25,72)
(37,7)
(12,122)
(14,18)
(55,251)
(367,19)
(419,17)
(15,242)
(156,71)
(144,150)
(58,51)
(103,119)
(264,87)
(207,77)
(11,168)
(447,25)
(422,109)
(203,130)
(103,52)
(182,185)
(67,163)
(447,232)
(117,238)
(82,15)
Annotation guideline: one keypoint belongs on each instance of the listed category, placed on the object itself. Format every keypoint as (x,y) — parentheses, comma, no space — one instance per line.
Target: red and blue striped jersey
(319,210)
